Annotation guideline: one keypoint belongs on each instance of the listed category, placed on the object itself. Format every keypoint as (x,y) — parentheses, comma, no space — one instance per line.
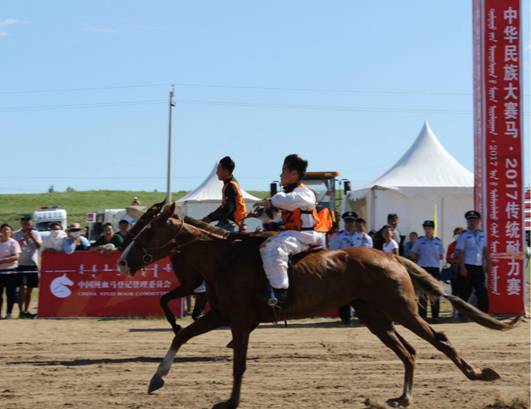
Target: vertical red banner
(477,23)
(498,131)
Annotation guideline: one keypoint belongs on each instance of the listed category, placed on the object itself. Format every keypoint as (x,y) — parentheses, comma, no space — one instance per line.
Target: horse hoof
(225,405)
(400,402)
(488,374)
(231,344)
(156,383)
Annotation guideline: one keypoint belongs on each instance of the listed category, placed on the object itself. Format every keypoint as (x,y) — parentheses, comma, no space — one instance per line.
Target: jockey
(297,204)
(229,215)
(232,211)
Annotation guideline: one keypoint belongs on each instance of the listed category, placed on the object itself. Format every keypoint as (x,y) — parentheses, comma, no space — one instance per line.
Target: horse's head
(154,241)
(144,220)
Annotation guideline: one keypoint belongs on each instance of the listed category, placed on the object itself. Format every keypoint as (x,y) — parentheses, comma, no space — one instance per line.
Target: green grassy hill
(77,204)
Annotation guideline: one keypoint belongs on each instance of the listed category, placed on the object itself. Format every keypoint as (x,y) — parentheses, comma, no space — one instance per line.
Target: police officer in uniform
(352,236)
(473,259)
(346,237)
(428,251)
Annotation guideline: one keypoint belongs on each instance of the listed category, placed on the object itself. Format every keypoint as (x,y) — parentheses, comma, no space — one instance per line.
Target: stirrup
(272,299)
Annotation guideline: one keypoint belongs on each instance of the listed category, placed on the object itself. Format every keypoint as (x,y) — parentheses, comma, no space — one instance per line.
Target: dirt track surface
(48,364)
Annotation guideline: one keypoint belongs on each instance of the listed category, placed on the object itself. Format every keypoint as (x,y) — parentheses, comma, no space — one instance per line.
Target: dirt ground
(48,364)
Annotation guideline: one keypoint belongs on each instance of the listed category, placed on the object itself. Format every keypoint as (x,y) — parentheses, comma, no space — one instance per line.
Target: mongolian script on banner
(501,151)
(87,284)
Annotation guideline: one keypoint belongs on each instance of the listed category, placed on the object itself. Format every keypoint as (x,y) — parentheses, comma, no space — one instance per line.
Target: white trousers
(276,250)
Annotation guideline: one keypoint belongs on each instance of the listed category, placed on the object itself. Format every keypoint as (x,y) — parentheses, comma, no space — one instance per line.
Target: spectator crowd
(20,252)
(462,265)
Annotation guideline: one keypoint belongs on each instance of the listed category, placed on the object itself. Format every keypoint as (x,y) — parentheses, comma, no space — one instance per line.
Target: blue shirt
(69,245)
(428,251)
(344,239)
(472,243)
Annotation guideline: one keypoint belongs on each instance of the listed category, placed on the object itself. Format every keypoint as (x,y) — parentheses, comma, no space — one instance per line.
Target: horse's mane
(255,237)
(207,227)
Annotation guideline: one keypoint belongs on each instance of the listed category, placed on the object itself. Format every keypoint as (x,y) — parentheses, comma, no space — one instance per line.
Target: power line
(244,104)
(311,107)
(231,86)
(59,90)
(26,108)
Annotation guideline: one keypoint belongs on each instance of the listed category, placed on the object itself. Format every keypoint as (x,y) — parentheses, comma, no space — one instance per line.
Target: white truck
(45,215)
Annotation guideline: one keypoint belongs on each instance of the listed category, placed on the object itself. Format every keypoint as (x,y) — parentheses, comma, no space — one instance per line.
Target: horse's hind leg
(208,322)
(382,326)
(417,325)
(240,335)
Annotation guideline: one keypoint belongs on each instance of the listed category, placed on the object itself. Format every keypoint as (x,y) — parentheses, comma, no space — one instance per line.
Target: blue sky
(346,84)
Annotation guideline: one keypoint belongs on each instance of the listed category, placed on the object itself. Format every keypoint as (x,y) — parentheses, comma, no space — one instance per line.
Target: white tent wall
(425,176)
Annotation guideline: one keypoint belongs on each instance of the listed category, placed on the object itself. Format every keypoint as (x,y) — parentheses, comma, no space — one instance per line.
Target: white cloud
(8,22)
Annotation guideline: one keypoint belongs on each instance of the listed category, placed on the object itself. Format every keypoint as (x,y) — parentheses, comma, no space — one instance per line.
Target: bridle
(147,257)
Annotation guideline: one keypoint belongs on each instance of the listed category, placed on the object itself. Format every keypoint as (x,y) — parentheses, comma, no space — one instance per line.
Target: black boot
(275,297)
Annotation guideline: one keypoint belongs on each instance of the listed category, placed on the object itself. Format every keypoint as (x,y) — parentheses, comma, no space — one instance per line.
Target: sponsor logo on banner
(60,286)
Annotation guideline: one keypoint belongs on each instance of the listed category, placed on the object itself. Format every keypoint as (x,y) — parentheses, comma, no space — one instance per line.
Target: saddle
(271,298)
(292,260)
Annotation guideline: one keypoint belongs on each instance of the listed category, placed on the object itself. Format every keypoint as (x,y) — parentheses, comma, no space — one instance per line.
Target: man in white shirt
(297,204)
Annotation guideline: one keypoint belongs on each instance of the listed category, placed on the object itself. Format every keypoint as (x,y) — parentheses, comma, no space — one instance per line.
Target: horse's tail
(427,286)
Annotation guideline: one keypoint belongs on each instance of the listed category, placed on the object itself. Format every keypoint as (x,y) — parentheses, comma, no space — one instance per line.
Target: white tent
(425,178)
(207,198)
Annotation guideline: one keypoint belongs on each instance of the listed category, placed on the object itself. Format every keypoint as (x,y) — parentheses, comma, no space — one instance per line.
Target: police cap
(428,223)
(472,214)
(350,216)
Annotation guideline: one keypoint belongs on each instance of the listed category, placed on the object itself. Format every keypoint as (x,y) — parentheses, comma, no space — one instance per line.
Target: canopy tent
(207,198)
(425,180)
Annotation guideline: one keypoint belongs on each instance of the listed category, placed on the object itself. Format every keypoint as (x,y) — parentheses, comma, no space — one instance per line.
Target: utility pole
(168,174)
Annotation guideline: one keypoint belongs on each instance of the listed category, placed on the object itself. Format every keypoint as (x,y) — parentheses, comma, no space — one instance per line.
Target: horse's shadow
(106,361)
(291,324)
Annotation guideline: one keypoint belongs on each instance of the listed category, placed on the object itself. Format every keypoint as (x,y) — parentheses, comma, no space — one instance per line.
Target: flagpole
(168,174)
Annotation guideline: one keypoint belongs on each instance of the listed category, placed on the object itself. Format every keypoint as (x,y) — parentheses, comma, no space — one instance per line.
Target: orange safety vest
(323,220)
(240,210)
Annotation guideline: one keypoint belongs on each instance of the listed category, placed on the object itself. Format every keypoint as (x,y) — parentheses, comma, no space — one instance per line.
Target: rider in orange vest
(229,215)
(302,227)
(232,211)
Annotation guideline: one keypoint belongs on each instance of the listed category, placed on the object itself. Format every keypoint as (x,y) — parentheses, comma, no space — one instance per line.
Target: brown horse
(380,286)
(189,278)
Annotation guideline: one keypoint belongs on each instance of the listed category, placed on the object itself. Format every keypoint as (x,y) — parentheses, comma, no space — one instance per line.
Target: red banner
(87,284)
(499,158)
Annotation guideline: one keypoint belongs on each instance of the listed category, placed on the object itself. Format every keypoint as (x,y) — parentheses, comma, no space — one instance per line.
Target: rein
(147,258)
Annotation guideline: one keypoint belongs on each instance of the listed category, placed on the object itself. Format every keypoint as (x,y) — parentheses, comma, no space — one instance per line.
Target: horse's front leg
(240,337)
(206,323)
(179,292)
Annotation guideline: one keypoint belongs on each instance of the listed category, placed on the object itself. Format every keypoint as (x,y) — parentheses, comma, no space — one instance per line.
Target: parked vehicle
(45,215)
